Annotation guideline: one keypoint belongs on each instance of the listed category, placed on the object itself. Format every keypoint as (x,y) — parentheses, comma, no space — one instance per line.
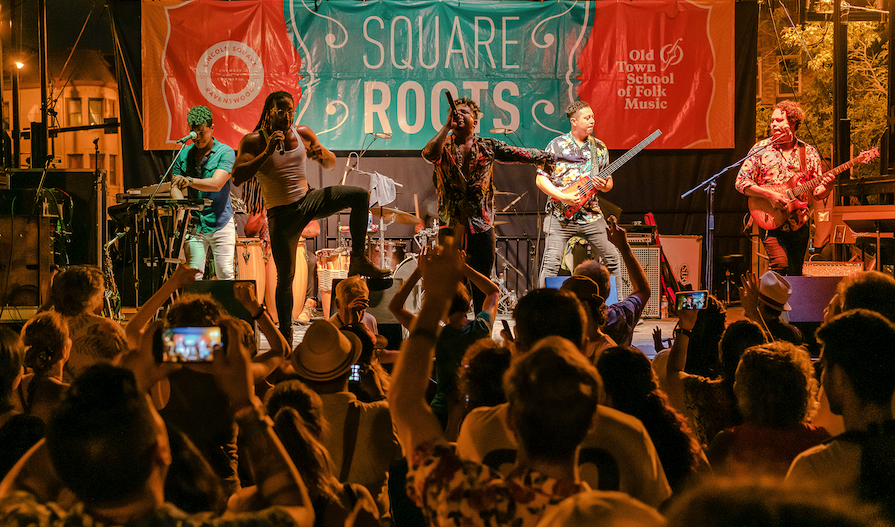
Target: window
(75,161)
(790,81)
(75,118)
(95,110)
(7,117)
(111,107)
(113,172)
(93,161)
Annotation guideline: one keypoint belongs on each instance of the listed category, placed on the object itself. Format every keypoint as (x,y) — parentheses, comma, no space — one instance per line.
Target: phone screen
(690,300)
(190,344)
(355,373)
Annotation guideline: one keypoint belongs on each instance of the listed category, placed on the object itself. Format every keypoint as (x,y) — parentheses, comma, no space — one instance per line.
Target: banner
(382,66)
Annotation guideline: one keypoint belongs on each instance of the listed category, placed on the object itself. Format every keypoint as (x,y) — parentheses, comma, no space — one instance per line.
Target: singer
(780,162)
(588,221)
(203,170)
(464,166)
(276,154)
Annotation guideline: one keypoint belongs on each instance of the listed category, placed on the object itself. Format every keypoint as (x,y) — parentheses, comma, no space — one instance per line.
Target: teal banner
(383,66)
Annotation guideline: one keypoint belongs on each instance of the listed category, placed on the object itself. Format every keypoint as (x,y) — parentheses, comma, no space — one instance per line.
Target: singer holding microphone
(464,167)
(774,163)
(276,154)
(202,170)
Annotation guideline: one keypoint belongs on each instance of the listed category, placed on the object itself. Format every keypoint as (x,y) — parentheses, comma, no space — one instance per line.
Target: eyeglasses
(283,113)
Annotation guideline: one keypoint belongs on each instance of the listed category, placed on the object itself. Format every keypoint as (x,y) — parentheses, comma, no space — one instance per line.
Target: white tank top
(282,176)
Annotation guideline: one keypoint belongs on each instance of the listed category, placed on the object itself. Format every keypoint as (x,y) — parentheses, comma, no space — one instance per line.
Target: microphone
(450,98)
(281,146)
(382,135)
(184,139)
(503,131)
(514,202)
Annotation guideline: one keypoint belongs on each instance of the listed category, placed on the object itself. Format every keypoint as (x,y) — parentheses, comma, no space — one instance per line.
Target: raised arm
(316,151)
(181,277)
(677,359)
(252,153)
(433,149)
(485,285)
(265,363)
(396,305)
(639,282)
(413,418)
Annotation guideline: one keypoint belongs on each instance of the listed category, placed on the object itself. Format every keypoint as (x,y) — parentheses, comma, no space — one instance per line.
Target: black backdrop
(651,182)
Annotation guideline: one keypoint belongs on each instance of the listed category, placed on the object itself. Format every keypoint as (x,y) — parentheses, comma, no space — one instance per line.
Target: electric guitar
(769,216)
(585,185)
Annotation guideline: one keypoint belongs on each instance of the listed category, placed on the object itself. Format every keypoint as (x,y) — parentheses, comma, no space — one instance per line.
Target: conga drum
(300,282)
(250,264)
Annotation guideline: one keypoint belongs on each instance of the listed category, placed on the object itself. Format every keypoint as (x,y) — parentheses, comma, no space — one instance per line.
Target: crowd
(563,423)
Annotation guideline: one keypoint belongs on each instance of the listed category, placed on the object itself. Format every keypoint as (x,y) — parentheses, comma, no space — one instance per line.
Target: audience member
(47,347)
(352,300)
(631,387)
(18,431)
(553,375)
(750,503)
(776,393)
(603,508)
(458,335)
(191,484)
(765,303)
(588,293)
(108,446)
(871,290)
(858,360)
(481,374)
(77,293)
(622,316)
(361,439)
(617,454)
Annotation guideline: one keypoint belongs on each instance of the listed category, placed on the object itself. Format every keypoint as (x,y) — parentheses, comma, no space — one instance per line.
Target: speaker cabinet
(684,254)
(649,260)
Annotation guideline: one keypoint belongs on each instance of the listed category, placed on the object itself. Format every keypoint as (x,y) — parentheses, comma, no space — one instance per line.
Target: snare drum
(404,270)
(394,253)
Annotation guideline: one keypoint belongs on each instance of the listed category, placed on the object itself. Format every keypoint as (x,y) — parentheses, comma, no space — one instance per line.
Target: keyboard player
(202,170)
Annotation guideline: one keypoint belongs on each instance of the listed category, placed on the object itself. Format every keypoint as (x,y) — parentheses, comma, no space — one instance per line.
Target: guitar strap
(801,157)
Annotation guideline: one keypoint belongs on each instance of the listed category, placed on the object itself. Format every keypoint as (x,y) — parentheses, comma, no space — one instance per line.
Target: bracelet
(260,313)
(189,180)
(424,333)
(686,332)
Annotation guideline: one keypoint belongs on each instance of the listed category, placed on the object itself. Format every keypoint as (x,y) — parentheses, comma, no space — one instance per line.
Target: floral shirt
(468,198)
(774,167)
(455,492)
(597,156)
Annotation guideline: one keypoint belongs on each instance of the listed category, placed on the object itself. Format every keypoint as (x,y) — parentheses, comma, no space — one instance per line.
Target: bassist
(588,221)
(783,161)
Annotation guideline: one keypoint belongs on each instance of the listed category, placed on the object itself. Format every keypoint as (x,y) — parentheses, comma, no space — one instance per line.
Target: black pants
(286,223)
(480,248)
(786,249)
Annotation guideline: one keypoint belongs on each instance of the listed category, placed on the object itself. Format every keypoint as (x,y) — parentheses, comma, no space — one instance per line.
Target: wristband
(189,180)
(260,314)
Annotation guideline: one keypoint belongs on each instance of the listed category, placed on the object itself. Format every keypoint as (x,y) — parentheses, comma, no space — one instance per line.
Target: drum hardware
(502,193)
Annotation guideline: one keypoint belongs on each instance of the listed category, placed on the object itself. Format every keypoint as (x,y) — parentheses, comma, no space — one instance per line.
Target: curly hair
(476,111)
(75,290)
(44,336)
(632,388)
(575,107)
(775,385)
(481,371)
(199,115)
(793,111)
(194,309)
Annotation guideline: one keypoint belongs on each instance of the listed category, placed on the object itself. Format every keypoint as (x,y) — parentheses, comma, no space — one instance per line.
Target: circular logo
(230,74)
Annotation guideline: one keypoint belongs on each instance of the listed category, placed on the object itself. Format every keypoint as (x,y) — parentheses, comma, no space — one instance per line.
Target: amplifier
(649,260)
(832,268)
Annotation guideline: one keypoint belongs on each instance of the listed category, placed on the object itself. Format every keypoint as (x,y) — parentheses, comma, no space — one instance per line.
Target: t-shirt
(215,216)
(450,347)
(750,450)
(618,455)
(835,465)
(22,509)
(621,318)
(451,491)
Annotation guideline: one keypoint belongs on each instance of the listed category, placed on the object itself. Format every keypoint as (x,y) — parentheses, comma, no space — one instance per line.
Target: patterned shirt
(455,492)
(597,158)
(468,198)
(218,214)
(774,167)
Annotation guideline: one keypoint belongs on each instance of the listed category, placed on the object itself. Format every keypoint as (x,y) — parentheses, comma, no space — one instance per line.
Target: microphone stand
(710,184)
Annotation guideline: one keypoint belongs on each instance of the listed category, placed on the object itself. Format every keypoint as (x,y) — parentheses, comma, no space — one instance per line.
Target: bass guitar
(769,216)
(586,187)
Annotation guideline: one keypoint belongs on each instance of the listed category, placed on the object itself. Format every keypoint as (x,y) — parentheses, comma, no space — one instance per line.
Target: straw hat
(774,291)
(325,353)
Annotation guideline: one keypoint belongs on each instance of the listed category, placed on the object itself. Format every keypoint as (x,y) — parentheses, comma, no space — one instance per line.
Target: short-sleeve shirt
(622,318)
(215,216)
(772,166)
(597,158)
(451,491)
(468,199)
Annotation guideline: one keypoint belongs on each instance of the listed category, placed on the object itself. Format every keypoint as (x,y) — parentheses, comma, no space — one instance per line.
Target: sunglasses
(283,113)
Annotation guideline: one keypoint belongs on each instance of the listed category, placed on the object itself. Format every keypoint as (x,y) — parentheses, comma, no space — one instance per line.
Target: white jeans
(223,247)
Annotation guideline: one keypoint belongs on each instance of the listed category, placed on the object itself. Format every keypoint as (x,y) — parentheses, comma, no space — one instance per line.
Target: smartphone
(506,327)
(355,373)
(690,300)
(190,344)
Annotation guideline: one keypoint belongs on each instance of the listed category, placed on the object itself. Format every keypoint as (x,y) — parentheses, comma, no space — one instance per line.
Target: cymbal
(502,193)
(396,216)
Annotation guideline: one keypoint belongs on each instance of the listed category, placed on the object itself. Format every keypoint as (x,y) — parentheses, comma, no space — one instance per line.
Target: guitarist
(782,159)
(588,221)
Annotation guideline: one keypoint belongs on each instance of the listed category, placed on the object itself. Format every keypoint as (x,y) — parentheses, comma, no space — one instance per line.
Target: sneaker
(363,266)
(307,312)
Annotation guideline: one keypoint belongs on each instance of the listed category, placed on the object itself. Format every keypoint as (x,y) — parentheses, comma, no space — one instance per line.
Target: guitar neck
(615,165)
(813,183)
